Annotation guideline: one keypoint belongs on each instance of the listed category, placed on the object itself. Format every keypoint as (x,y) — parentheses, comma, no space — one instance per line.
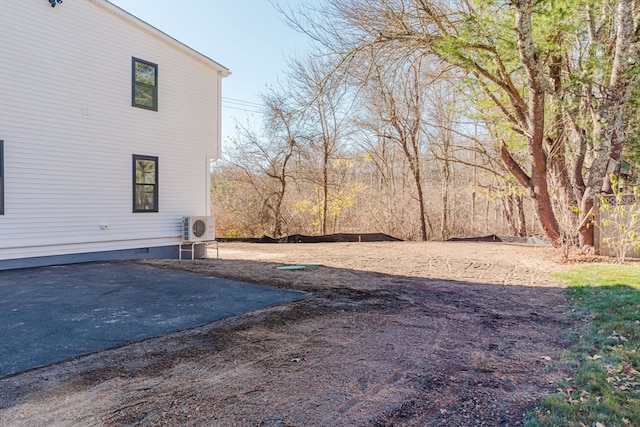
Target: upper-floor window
(144,84)
(145,183)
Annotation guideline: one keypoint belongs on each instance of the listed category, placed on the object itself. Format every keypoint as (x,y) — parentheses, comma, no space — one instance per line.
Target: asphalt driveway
(51,314)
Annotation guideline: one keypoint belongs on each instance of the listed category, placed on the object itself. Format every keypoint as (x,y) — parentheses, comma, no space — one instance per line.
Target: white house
(107,130)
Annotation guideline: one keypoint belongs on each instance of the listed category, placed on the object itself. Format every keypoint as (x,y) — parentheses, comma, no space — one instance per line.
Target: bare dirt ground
(392,334)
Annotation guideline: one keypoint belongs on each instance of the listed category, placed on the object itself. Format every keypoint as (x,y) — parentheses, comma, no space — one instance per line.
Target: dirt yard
(392,334)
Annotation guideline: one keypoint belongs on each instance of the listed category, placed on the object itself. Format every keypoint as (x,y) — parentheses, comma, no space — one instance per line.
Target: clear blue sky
(246,36)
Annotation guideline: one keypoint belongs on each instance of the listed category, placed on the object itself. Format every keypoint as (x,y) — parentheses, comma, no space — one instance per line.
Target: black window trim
(134,83)
(137,157)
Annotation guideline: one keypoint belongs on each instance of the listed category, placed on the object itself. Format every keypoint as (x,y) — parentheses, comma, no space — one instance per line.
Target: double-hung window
(145,183)
(144,84)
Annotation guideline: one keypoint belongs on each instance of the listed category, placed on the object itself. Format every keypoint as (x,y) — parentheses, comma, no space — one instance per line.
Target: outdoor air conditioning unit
(198,228)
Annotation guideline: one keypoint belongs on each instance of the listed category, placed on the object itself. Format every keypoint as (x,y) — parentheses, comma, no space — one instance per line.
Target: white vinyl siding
(1,177)
(70,131)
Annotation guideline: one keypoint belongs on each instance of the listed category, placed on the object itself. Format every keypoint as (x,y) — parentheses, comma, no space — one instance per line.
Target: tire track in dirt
(392,387)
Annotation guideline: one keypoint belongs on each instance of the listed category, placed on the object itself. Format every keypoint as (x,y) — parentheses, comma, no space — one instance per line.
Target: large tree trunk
(537,183)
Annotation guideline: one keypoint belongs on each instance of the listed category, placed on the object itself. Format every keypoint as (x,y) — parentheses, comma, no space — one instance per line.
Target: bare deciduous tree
(324,100)
(515,66)
(266,159)
(398,99)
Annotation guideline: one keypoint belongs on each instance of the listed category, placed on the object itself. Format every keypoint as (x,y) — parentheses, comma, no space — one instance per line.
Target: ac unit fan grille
(199,228)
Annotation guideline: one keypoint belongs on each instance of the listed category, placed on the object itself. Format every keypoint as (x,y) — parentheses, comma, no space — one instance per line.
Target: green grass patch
(605,387)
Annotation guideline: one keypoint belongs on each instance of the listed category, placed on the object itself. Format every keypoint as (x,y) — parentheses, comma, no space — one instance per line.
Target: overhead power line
(242,105)
(241,102)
